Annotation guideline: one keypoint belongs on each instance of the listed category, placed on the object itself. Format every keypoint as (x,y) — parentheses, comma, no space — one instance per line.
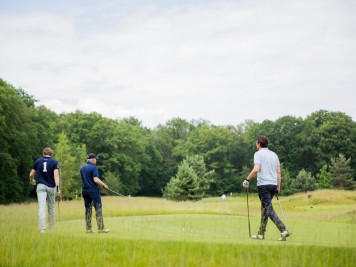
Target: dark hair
(263,141)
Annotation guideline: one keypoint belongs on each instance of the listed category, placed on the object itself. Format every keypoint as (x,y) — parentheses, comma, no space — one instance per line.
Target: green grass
(156,232)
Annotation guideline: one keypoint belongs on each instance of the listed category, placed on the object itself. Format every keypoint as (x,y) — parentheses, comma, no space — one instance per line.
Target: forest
(315,152)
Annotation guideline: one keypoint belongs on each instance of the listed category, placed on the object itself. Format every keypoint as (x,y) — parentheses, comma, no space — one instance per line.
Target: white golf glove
(33,182)
(245,184)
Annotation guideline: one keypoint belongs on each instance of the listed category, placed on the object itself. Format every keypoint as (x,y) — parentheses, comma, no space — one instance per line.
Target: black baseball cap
(92,156)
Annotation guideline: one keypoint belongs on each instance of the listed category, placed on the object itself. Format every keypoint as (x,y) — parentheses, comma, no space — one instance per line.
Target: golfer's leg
(264,221)
(272,214)
(274,217)
(51,198)
(265,199)
(98,212)
(88,214)
(41,196)
(88,210)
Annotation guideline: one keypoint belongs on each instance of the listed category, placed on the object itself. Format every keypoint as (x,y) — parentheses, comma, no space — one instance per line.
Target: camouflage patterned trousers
(92,197)
(266,193)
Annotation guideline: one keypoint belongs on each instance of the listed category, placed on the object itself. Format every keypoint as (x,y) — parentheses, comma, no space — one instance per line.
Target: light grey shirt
(268,161)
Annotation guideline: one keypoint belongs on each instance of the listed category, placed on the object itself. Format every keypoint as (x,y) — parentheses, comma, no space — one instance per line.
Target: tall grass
(156,232)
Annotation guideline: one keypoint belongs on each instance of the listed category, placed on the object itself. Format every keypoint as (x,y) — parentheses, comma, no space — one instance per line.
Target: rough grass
(156,232)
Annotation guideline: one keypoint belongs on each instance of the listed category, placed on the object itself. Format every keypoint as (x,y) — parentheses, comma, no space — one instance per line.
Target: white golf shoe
(284,235)
(105,231)
(260,237)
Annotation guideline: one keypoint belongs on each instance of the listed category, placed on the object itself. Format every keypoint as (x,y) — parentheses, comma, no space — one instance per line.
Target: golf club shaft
(59,200)
(59,207)
(280,206)
(248,214)
(116,193)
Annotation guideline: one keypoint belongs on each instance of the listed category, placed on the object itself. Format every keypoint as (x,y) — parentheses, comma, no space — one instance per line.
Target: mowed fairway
(157,232)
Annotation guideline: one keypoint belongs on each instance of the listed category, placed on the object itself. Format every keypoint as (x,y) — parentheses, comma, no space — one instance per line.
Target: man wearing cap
(91,194)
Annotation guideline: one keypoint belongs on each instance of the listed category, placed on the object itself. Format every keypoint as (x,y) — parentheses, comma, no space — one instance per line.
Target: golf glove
(33,182)
(245,184)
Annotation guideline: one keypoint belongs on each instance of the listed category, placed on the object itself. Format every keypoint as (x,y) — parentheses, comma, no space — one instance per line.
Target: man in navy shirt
(47,171)
(91,194)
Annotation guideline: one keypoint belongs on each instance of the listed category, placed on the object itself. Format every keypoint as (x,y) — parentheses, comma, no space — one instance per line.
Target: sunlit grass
(157,232)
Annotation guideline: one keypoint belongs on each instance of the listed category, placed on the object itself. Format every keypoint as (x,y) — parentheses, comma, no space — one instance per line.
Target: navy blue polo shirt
(44,168)
(88,172)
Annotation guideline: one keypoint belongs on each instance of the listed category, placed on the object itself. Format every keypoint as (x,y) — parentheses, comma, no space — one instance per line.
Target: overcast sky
(221,61)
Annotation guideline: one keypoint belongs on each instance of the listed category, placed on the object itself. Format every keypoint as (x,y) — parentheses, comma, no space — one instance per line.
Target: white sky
(222,61)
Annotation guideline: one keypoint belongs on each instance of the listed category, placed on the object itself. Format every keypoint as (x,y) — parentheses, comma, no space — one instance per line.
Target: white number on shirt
(44,166)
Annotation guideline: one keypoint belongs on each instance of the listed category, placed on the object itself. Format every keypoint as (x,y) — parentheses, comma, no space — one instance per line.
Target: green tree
(121,145)
(214,144)
(239,152)
(190,182)
(70,159)
(323,178)
(152,178)
(287,182)
(45,121)
(114,181)
(9,184)
(327,134)
(342,173)
(284,135)
(129,143)
(286,142)
(184,186)
(166,137)
(304,181)
(29,100)
(18,140)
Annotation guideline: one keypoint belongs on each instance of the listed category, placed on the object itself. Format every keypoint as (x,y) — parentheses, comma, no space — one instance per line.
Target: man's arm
(100,182)
(255,170)
(56,180)
(32,177)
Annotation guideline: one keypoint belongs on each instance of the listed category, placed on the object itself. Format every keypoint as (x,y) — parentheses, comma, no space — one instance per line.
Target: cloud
(223,61)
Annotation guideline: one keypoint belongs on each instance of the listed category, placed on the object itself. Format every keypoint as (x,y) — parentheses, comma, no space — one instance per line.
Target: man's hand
(33,181)
(277,192)
(246,183)
(105,186)
(58,191)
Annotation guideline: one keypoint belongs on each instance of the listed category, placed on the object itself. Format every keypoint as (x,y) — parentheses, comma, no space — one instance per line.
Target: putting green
(212,228)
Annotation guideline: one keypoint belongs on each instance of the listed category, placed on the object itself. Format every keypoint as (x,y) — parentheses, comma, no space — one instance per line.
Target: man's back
(88,172)
(268,161)
(45,167)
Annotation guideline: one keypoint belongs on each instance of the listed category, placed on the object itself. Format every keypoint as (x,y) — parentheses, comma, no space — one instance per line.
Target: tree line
(315,152)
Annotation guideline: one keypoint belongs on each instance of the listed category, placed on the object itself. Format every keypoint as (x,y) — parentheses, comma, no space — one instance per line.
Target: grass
(156,232)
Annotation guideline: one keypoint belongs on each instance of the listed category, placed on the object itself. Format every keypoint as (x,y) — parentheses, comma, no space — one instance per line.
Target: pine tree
(342,173)
(190,182)
(304,181)
(323,178)
(287,183)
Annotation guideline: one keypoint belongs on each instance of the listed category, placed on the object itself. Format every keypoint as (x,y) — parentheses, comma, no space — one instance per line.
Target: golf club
(284,218)
(248,214)
(59,206)
(116,193)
